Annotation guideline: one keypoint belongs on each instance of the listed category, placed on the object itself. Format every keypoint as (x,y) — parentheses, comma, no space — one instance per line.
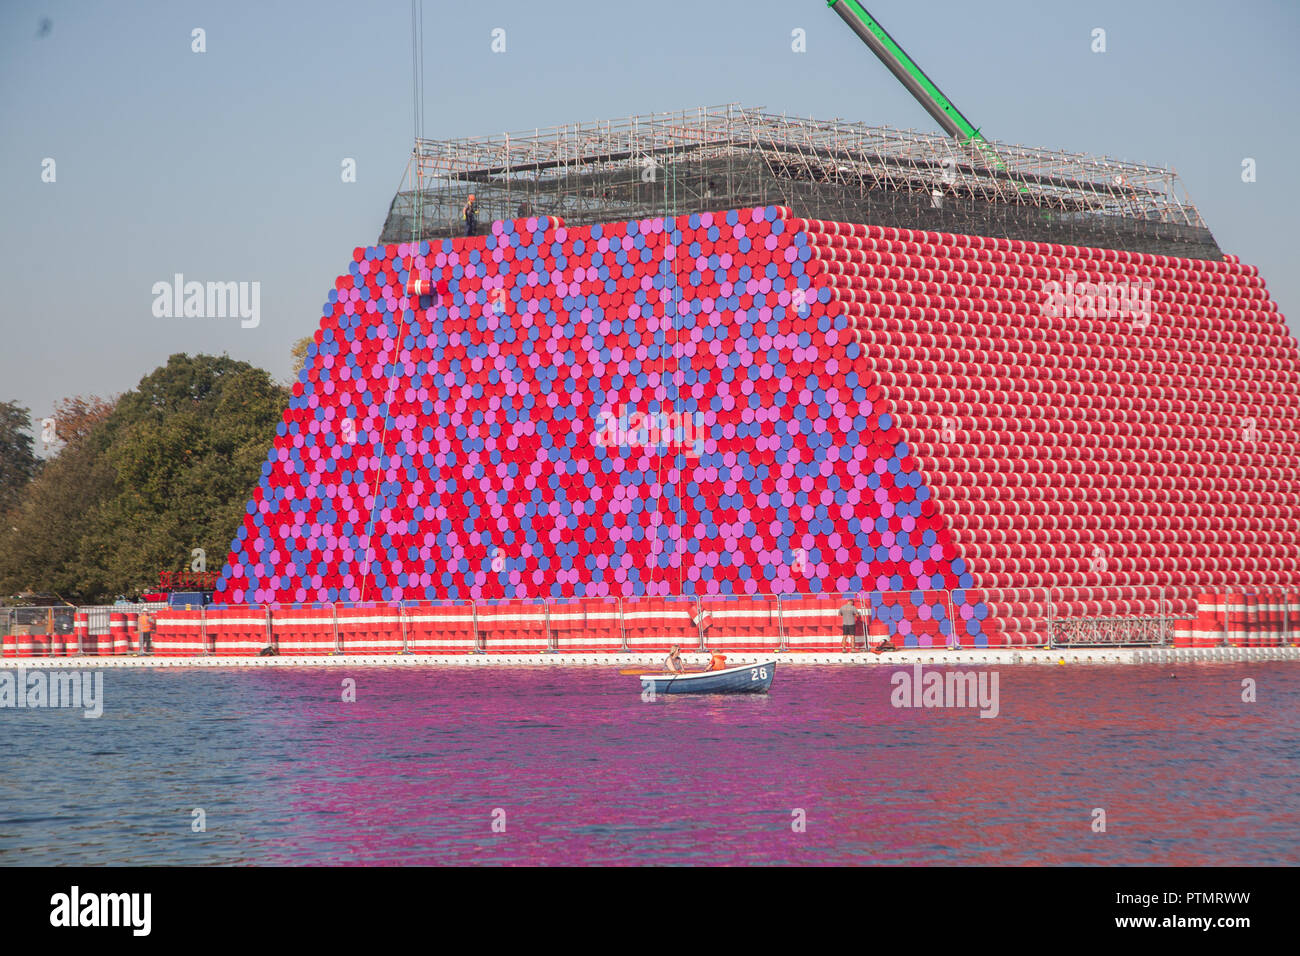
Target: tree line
(137,483)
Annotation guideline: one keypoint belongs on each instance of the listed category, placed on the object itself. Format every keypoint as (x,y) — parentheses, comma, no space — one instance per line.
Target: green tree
(18,462)
(45,539)
(168,471)
(299,356)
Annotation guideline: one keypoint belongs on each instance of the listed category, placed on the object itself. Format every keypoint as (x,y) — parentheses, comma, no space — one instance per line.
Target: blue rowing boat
(746,679)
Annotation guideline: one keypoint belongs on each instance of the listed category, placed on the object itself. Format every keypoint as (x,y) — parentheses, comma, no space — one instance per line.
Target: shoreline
(907,657)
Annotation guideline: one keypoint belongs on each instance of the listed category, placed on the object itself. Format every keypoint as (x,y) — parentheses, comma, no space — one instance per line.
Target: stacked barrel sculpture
(743,404)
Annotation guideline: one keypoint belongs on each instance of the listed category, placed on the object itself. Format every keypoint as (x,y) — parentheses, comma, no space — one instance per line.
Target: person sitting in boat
(673,662)
(717,661)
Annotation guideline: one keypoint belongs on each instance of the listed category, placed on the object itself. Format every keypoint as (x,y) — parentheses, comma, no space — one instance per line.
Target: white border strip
(931,656)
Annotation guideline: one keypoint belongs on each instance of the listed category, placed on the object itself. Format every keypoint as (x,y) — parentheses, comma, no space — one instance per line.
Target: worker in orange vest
(470,212)
(146,632)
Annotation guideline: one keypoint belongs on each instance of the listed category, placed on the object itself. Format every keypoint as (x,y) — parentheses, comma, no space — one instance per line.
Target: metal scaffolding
(729,156)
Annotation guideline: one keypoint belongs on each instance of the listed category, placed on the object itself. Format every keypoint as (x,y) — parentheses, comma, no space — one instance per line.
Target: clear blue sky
(225,165)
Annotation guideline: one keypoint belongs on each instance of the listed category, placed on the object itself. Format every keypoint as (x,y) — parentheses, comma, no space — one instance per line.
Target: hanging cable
(417,107)
(417,228)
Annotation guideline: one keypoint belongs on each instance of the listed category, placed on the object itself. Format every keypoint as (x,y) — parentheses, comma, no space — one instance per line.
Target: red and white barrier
(298,632)
(179,634)
(370,630)
(235,632)
(440,630)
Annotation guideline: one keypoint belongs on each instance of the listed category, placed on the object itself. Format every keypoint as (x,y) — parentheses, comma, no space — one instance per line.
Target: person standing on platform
(470,212)
(146,631)
(849,622)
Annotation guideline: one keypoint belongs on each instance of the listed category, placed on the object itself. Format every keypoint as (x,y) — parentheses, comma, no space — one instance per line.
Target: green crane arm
(905,69)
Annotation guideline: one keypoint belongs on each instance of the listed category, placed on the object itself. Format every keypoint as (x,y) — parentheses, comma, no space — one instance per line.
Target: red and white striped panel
(741,624)
(603,630)
(303,632)
(568,623)
(1236,614)
(812,623)
(1272,615)
(656,624)
(513,627)
(235,632)
(1210,623)
(440,629)
(178,634)
(1293,618)
(370,630)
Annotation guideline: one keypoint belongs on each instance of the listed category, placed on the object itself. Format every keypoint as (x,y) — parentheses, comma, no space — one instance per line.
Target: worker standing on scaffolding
(470,212)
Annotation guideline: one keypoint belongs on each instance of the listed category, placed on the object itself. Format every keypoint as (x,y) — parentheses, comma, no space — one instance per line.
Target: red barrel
(80,633)
(116,641)
(9,646)
(1264,633)
(1184,632)
(1276,619)
(1210,624)
(1253,626)
(26,645)
(1235,613)
(1293,617)
(132,632)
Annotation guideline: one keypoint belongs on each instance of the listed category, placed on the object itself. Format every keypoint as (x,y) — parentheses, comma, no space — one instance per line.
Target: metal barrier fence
(811,622)
(98,614)
(1043,617)
(1110,632)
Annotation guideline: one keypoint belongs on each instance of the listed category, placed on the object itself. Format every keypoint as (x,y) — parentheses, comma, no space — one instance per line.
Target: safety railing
(775,623)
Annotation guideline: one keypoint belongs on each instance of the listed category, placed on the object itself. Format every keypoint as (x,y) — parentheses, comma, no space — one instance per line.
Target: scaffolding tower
(726,157)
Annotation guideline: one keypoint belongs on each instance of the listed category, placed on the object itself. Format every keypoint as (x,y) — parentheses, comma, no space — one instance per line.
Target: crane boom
(895,58)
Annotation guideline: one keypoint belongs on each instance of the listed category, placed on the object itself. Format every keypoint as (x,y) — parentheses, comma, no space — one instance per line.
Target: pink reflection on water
(586,772)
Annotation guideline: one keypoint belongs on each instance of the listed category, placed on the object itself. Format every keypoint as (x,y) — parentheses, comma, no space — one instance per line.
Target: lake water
(578,769)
